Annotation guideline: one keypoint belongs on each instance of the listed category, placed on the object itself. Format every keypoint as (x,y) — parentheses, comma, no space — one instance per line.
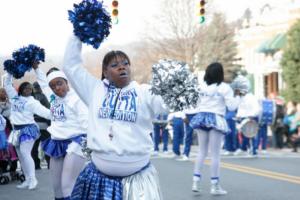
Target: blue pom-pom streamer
(91,22)
(11,67)
(174,82)
(28,55)
(23,60)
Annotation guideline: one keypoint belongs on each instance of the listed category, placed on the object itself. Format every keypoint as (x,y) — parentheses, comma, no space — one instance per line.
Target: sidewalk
(270,153)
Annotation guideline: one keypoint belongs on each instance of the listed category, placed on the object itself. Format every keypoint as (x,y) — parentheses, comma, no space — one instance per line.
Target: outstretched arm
(42,80)
(37,108)
(232,102)
(82,81)
(10,90)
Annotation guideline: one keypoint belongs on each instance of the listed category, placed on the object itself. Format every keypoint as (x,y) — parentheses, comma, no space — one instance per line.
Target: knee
(24,152)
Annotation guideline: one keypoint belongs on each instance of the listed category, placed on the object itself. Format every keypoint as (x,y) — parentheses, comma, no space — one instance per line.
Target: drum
(268,112)
(249,128)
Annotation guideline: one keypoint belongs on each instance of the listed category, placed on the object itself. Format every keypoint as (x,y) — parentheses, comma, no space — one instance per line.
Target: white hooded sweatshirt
(120,120)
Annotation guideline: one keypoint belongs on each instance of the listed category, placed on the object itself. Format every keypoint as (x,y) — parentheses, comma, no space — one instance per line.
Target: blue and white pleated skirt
(92,184)
(27,132)
(59,148)
(207,121)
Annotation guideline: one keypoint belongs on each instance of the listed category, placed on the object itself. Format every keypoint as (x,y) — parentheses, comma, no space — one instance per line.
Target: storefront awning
(272,45)
(278,42)
(264,47)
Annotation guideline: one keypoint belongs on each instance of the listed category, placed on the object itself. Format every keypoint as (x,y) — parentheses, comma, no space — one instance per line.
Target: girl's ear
(104,72)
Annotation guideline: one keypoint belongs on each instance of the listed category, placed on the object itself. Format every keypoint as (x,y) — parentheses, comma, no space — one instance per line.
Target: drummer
(267,117)
(249,108)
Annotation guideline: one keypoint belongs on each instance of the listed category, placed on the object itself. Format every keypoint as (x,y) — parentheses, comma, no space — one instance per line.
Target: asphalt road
(274,176)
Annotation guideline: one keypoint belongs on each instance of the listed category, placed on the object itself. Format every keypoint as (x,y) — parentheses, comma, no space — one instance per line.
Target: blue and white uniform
(68,129)
(21,117)
(3,142)
(188,139)
(22,111)
(178,130)
(68,120)
(231,139)
(120,123)
(210,125)
(212,107)
(160,129)
(249,108)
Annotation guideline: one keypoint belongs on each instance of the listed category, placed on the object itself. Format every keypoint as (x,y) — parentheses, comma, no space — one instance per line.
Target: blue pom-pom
(28,55)
(12,68)
(91,22)
(23,60)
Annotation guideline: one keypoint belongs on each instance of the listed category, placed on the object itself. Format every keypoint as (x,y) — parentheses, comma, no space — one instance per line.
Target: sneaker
(253,155)
(264,152)
(294,150)
(240,152)
(23,185)
(227,153)
(195,186)
(166,152)
(32,183)
(155,153)
(217,190)
(183,158)
(176,157)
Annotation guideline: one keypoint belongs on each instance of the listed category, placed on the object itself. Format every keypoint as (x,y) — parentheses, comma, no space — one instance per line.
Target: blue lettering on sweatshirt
(57,111)
(18,104)
(121,107)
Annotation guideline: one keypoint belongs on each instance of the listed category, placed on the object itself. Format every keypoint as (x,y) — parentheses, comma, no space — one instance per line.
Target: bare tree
(219,45)
(174,31)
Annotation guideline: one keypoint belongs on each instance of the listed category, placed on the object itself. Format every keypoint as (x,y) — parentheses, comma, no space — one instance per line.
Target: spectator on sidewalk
(278,128)
(295,137)
(288,121)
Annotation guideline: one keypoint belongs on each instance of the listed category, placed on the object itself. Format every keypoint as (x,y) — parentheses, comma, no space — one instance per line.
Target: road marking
(259,172)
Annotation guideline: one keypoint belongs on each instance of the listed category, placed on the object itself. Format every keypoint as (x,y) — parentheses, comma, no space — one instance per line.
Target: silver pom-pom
(173,81)
(85,150)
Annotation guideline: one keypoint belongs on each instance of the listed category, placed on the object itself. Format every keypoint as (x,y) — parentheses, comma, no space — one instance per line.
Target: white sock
(196,177)
(214,180)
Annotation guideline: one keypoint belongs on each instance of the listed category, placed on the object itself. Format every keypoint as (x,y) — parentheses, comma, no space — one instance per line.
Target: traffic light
(202,11)
(115,11)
